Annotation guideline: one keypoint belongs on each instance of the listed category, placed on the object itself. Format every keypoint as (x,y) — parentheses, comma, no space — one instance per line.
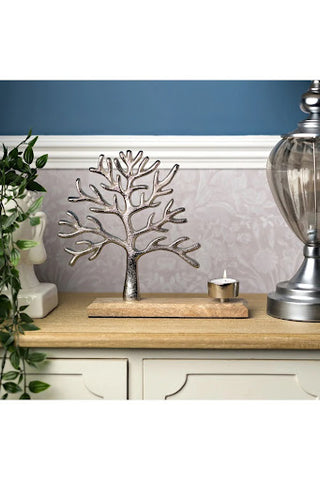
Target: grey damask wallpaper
(230,212)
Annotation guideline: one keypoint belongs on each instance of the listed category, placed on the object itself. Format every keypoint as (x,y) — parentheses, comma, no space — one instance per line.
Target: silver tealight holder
(293,172)
(223,289)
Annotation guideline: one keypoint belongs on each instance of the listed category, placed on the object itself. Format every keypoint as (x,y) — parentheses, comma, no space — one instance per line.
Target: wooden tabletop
(69,327)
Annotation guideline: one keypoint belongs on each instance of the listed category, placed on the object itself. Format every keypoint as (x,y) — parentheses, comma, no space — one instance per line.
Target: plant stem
(3,363)
(24,375)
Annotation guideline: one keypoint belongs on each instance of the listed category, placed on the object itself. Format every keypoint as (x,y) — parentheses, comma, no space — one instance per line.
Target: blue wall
(150,107)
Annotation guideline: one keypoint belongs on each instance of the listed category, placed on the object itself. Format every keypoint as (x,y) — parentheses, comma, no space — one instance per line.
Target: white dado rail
(190,152)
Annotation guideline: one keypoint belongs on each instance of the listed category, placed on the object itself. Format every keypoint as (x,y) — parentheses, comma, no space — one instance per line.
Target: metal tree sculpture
(121,177)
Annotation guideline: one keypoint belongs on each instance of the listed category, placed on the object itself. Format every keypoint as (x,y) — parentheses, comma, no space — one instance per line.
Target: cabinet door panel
(82,379)
(193,379)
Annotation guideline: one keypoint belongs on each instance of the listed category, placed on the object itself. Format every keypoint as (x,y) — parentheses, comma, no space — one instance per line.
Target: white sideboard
(144,374)
(174,359)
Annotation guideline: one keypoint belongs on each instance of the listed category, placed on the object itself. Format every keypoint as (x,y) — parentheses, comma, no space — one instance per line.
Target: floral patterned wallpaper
(230,212)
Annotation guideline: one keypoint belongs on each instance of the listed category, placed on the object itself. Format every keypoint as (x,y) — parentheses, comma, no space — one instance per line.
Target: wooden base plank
(168,307)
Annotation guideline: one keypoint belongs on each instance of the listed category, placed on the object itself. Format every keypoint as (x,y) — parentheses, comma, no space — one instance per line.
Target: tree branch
(93,248)
(98,199)
(173,247)
(127,168)
(129,161)
(142,171)
(168,216)
(157,191)
(114,182)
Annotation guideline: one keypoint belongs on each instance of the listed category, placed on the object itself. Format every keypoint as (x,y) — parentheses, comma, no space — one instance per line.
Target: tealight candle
(223,288)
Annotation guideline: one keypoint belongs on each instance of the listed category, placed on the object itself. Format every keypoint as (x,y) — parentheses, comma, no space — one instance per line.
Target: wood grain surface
(68,326)
(168,307)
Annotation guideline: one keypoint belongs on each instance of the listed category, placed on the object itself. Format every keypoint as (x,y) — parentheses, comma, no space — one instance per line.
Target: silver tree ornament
(121,179)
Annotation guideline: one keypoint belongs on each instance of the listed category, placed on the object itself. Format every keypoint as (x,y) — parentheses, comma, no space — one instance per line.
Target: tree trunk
(131,286)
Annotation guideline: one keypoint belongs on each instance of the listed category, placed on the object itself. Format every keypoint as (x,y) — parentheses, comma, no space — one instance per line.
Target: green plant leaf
(35,187)
(23,307)
(12,178)
(9,220)
(15,282)
(12,375)
(14,153)
(5,152)
(22,187)
(29,326)
(34,221)
(22,166)
(15,359)
(28,154)
(19,164)
(29,135)
(5,396)
(35,206)
(33,141)
(41,161)
(25,244)
(25,396)
(32,364)
(22,216)
(26,318)
(11,387)
(36,386)
(5,305)
(14,256)
(24,352)
(37,357)
(6,338)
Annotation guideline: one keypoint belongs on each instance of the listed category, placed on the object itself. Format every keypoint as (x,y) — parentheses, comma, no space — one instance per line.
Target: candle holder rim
(223,278)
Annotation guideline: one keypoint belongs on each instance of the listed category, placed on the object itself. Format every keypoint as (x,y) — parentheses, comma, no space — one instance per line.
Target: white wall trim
(190,152)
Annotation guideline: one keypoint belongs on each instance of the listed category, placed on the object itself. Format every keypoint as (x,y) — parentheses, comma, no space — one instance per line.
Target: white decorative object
(41,297)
